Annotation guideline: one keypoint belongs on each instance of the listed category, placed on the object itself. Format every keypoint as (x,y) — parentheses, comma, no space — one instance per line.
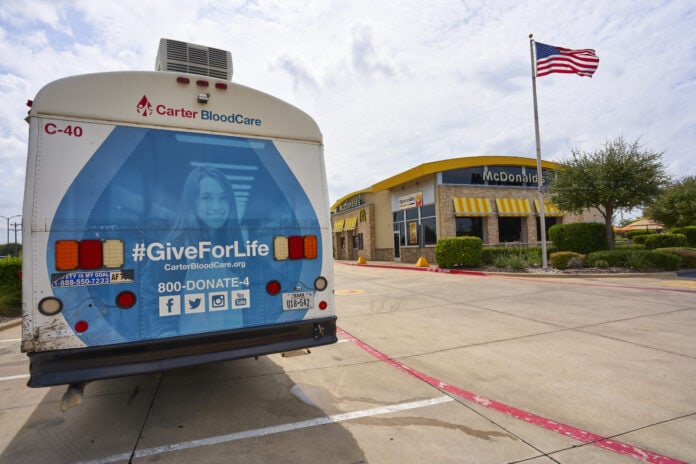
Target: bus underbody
(79,365)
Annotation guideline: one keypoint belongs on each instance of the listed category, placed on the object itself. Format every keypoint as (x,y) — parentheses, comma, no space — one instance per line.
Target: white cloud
(392,84)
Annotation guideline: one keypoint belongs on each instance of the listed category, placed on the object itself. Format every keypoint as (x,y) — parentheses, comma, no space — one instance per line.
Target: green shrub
(500,261)
(635,259)
(10,286)
(628,246)
(632,234)
(687,255)
(491,255)
(583,238)
(664,261)
(458,251)
(566,259)
(517,262)
(640,239)
(653,242)
(689,232)
(613,258)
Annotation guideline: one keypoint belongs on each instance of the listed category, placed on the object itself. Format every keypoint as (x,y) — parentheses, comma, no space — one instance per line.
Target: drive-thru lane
(612,358)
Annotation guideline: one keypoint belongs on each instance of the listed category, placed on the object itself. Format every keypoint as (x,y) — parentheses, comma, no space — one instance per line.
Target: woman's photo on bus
(207,207)
(207,213)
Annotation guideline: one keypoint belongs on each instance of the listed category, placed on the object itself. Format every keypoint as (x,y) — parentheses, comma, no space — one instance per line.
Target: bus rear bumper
(70,366)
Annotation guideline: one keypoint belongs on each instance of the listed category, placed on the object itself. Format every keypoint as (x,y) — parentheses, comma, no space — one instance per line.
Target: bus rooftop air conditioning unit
(178,56)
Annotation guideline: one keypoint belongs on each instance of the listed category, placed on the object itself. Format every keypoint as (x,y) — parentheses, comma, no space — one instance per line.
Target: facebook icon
(169,305)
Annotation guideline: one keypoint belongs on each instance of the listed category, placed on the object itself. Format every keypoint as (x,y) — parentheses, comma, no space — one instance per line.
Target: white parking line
(272,430)
(10,340)
(14,377)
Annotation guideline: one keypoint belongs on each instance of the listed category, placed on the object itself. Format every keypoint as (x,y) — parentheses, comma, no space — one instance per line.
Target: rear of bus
(171,219)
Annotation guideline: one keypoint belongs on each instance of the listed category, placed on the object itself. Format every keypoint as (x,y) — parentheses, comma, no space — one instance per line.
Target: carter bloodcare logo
(144,107)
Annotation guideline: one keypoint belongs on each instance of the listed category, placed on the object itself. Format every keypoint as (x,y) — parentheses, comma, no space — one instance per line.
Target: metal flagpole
(540,179)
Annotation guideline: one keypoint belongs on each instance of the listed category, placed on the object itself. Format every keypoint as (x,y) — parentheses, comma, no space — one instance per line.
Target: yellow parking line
(680,283)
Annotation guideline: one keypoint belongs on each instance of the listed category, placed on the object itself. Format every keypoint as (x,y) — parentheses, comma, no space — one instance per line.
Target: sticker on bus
(78,279)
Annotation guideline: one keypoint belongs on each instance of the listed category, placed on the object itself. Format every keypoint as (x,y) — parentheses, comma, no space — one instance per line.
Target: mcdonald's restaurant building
(401,218)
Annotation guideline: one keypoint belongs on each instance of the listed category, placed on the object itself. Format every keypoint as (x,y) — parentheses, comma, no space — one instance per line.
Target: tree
(10,249)
(676,207)
(620,176)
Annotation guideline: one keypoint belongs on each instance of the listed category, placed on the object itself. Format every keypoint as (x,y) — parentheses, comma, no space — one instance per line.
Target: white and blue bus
(171,218)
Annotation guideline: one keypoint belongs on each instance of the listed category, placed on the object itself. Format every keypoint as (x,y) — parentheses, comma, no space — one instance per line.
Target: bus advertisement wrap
(197,215)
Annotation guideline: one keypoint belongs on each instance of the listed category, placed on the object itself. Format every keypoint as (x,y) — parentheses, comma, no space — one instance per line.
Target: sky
(391,83)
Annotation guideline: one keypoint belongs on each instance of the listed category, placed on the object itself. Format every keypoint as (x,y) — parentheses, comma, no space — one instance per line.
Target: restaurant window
(464,176)
(416,226)
(509,229)
(428,224)
(469,226)
(358,241)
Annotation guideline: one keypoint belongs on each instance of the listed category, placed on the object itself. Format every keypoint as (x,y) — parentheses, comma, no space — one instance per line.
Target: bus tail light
(50,306)
(295,247)
(320,283)
(281,252)
(113,253)
(72,255)
(67,255)
(295,244)
(90,254)
(310,246)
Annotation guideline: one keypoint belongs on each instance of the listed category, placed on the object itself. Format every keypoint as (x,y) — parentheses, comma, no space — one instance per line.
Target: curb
(10,324)
(654,275)
(422,269)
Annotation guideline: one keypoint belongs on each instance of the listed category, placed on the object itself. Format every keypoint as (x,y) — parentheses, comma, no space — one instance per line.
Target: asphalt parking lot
(430,367)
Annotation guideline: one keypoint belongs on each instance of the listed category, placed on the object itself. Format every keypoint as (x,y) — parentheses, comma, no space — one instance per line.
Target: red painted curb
(528,417)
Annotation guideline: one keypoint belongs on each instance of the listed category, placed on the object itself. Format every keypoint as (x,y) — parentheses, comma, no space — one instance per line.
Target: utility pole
(8,224)
(15,238)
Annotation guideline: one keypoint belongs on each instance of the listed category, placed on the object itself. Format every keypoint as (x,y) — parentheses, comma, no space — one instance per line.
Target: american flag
(551,59)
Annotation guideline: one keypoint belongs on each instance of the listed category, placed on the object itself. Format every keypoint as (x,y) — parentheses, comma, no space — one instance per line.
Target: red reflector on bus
(323,305)
(273,287)
(202,83)
(125,300)
(296,247)
(221,85)
(81,326)
(90,254)
(183,80)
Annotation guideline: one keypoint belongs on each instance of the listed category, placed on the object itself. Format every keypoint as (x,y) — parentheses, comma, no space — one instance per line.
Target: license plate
(298,300)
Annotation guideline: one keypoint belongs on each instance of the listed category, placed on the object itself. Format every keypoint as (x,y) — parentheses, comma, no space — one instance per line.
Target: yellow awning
(472,206)
(549,209)
(338,225)
(351,222)
(513,207)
